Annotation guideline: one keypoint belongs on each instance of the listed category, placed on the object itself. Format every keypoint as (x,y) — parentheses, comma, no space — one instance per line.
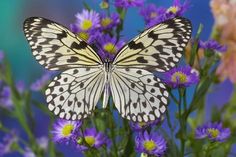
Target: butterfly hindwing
(55,47)
(74,93)
(138,95)
(158,48)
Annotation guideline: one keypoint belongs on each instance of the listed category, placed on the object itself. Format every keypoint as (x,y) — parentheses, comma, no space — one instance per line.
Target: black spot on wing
(141,60)
(72,59)
(135,46)
(81,45)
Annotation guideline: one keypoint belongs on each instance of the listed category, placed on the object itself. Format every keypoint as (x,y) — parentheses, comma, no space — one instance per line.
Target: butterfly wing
(158,48)
(138,95)
(74,93)
(55,47)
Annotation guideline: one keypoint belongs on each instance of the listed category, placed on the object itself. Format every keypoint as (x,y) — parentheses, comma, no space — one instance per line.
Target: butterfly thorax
(107,65)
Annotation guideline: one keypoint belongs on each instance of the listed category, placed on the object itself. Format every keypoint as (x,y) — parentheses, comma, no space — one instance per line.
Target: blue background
(24,66)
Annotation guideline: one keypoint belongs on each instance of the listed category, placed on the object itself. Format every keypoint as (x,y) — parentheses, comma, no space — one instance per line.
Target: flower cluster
(69,132)
(94,28)
(154,15)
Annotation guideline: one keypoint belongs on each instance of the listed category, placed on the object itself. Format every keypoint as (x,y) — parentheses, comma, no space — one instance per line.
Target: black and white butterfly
(137,94)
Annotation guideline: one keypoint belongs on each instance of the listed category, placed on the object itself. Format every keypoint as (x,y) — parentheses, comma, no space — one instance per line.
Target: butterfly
(137,93)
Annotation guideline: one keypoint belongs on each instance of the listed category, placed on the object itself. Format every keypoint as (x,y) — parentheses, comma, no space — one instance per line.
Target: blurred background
(24,66)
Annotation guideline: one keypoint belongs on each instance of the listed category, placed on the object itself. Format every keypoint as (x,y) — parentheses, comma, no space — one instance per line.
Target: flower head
(7,141)
(213,45)
(108,22)
(181,77)
(43,142)
(92,139)
(152,144)
(128,3)
(87,20)
(5,97)
(29,153)
(142,125)
(151,12)
(109,46)
(63,130)
(212,131)
(41,82)
(178,9)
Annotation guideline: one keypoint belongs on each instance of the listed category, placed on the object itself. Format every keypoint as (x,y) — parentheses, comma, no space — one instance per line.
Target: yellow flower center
(141,124)
(173,9)
(179,77)
(109,47)
(149,145)
(90,140)
(106,21)
(67,129)
(83,35)
(213,132)
(86,24)
(153,15)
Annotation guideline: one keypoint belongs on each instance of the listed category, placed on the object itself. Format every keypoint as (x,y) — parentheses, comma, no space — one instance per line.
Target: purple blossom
(109,46)
(29,153)
(20,86)
(178,9)
(41,82)
(151,12)
(142,126)
(87,20)
(151,144)
(92,138)
(212,131)
(43,142)
(128,3)
(5,97)
(63,130)
(108,22)
(1,55)
(181,77)
(7,141)
(213,45)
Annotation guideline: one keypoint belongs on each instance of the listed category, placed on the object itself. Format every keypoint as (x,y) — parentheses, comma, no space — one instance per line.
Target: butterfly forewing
(75,92)
(158,48)
(55,47)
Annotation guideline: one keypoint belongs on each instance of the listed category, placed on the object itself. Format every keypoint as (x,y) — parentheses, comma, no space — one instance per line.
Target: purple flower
(92,138)
(141,126)
(5,97)
(151,12)
(63,130)
(29,153)
(41,82)
(43,142)
(151,144)
(178,9)
(181,77)
(20,86)
(109,46)
(87,20)
(7,141)
(213,45)
(128,3)
(212,131)
(107,22)
(1,55)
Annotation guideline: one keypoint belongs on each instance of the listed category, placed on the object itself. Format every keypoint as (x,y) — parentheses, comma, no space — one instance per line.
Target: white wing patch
(138,95)
(55,47)
(158,48)
(74,93)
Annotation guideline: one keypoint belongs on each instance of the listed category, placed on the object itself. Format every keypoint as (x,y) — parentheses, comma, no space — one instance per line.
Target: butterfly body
(137,93)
